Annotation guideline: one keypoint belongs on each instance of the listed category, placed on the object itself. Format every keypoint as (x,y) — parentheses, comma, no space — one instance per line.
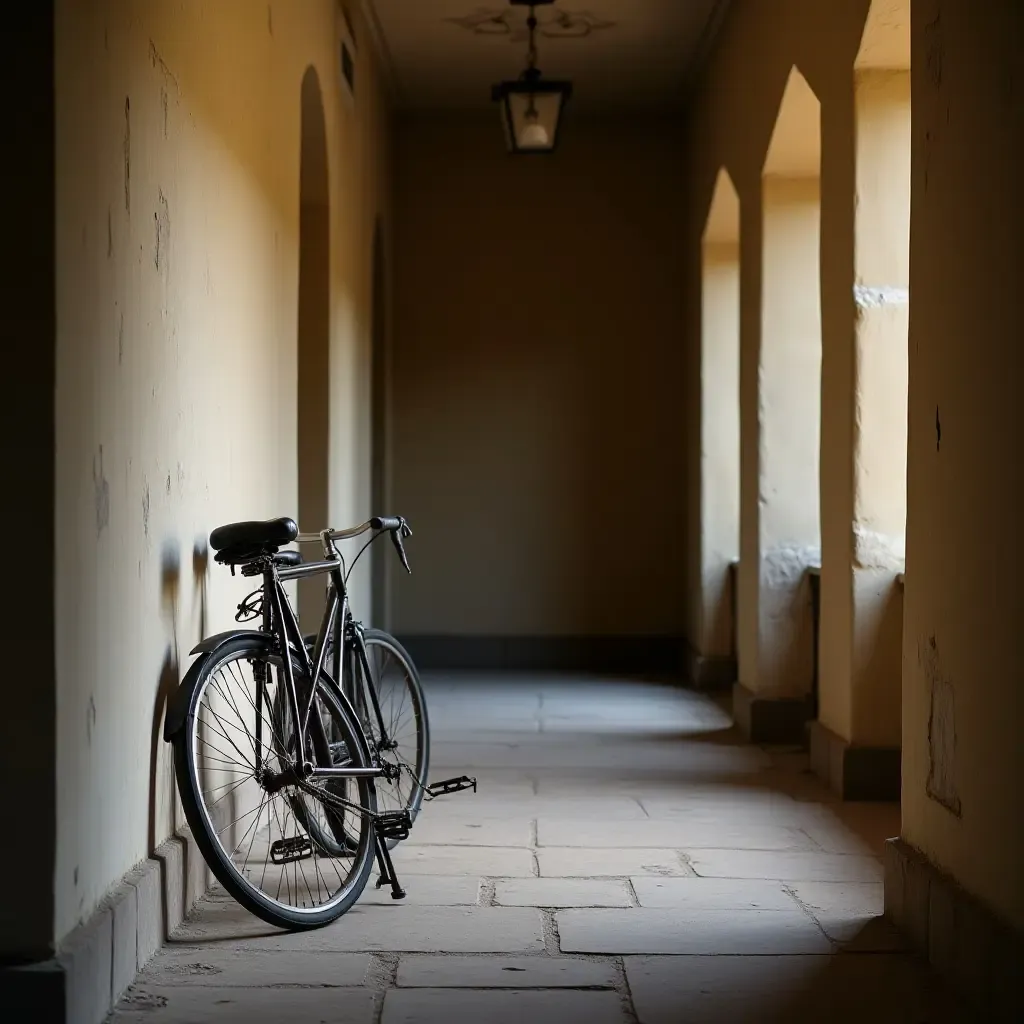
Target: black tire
(378,640)
(359,847)
(408,792)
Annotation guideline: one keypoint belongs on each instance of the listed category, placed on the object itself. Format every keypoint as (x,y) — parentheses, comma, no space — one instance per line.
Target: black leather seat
(238,543)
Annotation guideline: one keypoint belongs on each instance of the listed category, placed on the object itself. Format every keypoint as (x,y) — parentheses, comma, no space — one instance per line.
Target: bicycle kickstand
(387,868)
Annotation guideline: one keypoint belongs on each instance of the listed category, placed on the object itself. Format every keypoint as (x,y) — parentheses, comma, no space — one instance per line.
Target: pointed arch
(720,418)
(789,397)
(795,147)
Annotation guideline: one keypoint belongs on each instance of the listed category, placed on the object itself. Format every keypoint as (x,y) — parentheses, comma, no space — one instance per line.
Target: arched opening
(314,328)
(789,397)
(378,423)
(720,419)
(882,300)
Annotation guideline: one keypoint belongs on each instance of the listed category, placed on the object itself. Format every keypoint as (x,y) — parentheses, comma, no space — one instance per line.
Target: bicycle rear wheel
(299,857)
(405,737)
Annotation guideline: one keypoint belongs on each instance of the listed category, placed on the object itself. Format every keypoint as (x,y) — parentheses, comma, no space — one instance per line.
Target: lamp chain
(531,53)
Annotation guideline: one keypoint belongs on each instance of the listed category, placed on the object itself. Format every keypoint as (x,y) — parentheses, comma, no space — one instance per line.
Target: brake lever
(396,539)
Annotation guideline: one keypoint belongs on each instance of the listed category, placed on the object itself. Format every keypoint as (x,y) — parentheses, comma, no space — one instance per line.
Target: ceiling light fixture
(531,107)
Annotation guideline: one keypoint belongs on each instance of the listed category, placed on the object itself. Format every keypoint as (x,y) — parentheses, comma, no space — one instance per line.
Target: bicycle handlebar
(395,525)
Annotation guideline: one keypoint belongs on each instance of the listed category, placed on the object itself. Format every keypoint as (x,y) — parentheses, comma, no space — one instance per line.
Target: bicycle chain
(345,804)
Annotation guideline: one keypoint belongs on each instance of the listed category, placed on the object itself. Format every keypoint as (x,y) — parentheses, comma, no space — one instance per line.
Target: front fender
(180,700)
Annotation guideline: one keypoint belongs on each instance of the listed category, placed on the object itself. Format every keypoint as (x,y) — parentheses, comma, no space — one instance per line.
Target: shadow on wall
(314,334)
(170,671)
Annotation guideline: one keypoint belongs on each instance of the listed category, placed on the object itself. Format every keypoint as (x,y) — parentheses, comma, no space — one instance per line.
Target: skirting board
(97,962)
(656,655)
(851,772)
(767,720)
(976,952)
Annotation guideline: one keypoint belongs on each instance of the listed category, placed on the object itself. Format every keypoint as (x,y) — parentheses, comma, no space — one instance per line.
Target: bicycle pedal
(284,851)
(393,824)
(451,786)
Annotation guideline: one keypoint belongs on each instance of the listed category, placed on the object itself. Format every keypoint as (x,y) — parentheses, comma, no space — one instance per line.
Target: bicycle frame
(279,620)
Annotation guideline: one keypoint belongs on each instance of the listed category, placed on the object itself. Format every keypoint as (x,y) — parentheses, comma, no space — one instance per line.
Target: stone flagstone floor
(627,858)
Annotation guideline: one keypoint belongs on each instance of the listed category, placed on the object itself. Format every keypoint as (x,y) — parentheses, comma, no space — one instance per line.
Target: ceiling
(617,53)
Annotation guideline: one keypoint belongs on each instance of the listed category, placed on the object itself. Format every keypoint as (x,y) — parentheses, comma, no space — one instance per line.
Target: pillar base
(964,941)
(770,720)
(99,959)
(851,772)
(710,672)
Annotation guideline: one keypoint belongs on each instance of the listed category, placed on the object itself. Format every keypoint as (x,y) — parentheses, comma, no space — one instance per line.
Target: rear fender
(181,699)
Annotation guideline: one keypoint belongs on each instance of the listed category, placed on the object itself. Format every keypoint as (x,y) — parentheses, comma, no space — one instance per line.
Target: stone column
(855,742)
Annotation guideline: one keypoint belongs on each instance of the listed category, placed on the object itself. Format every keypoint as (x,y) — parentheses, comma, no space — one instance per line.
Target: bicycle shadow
(168,681)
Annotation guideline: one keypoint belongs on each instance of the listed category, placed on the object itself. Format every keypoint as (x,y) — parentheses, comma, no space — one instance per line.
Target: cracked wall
(178,143)
(963,693)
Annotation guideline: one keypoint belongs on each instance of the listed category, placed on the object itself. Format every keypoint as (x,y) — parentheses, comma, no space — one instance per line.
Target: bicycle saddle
(244,542)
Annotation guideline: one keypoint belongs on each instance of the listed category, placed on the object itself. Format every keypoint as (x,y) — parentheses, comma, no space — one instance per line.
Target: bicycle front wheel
(297,856)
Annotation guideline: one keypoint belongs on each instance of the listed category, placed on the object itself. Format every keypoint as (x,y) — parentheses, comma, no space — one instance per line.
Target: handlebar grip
(386,522)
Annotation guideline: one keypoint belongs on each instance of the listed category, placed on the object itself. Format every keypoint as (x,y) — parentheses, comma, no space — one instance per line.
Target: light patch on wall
(784,565)
(941,783)
(875,298)
(874,550)
(795,147)
(885,43)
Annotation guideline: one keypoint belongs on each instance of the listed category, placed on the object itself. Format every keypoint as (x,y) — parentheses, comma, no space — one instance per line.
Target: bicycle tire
(203,829)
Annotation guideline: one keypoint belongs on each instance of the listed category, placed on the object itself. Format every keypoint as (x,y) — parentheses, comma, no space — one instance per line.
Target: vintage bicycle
(292,776)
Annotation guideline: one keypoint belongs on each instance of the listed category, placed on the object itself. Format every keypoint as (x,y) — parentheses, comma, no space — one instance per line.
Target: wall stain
(270,19)
(158,62)
(101,488)
(120,341)
(127,156)
(941,783)
(164,106)
(90,720)
(110,235)
(145,510)
(162,225)
(167,485)
(938,429)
